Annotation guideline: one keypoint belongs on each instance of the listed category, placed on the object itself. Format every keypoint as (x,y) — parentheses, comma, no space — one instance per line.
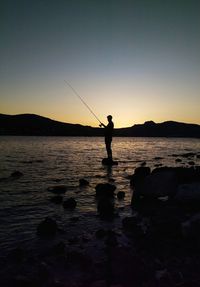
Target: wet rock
(139,174)
(128,269)
(76,257)
(158,158)
(166,227)
(191,163)
(111,239)
(57,199)
(57,189)
(45,275)
(109,162)
(120,194)
(191,228)
(187,175)
(188,154)
(189,192)
(143,163)
(59,249)
(73,240)
(178,160)
(157,184)
(75,218)
(16,174)
(101,233)
(70,203)
(83,182)
(47,228)
(105,207)
(105,190)
(131,226)
(129,223)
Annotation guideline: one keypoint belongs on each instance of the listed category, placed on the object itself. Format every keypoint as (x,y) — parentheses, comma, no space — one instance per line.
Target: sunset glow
(137,60)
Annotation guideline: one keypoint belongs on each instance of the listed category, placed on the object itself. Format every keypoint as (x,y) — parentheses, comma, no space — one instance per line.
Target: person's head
(109,117)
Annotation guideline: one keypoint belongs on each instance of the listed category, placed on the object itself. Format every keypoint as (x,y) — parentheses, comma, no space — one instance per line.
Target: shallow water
(49,161)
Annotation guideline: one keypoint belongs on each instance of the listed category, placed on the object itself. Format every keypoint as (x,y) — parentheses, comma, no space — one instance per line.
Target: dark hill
(165,129)
(30,124)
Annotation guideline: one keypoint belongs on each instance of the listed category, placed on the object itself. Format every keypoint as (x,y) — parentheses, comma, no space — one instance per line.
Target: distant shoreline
(35,125)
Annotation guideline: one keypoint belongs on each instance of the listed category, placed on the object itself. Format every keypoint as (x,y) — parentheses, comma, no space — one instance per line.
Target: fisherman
(108,135)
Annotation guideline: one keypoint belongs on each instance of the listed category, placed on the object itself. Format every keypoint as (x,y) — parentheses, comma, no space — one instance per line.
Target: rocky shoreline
(156,245)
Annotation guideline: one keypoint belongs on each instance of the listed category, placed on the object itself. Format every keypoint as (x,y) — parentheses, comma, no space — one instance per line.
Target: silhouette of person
(108,136)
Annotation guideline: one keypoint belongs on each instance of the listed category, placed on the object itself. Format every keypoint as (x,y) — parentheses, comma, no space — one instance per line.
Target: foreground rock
(47,228)
(58,189)
(165,181)
(105,190)
(83,182)
(70,203)
(105,199)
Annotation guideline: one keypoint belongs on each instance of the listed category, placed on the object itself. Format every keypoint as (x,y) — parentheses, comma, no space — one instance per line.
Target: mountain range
(35,125)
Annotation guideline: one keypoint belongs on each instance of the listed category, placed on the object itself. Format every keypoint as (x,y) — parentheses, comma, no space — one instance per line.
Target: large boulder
(105,207)
(188,192)
(70,203)
(47,228)
(139,175)
(156,184)
(105,202)
(105,190)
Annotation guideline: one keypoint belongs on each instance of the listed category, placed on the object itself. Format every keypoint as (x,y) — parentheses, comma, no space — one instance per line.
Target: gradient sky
(137,60)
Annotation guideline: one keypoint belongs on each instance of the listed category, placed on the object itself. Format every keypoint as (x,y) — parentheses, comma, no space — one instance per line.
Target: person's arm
(102,125)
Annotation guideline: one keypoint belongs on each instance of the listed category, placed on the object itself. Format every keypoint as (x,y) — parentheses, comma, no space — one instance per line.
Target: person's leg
(108,149)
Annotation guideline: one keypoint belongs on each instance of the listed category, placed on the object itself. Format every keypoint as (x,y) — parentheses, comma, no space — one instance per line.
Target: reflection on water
(48,161)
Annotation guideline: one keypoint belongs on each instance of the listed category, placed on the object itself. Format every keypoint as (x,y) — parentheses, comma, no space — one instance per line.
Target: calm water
(49,161)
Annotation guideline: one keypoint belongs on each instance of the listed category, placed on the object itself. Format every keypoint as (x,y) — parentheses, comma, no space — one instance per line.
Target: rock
(139,174)
(83,182)
(178,160)
(70,203)
(76,257)
(111,239)
(100,233)
(105,207)
(16,174)
(120,194)
(188,154)
(188,192)
(47,228)
(105,190)
(56,199)
(108,161)
(59,249)
(191,163)
(57,189)
(157,184)
(131,226)
(191,227)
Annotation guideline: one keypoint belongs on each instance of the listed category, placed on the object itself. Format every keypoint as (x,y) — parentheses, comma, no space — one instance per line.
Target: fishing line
(75,92)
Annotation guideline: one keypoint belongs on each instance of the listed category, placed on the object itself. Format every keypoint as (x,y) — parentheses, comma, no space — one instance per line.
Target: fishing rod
(75,92)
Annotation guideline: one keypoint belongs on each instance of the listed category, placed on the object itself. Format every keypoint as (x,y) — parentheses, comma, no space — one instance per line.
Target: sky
(137,60)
